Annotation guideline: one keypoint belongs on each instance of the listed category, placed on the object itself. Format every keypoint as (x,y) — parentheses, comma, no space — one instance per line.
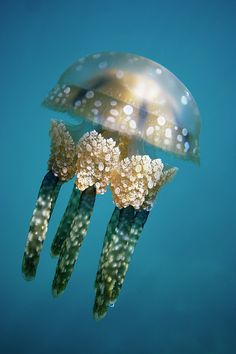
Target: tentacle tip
(56,292)
(57,288)
(100,308)
(28,272)
(98,316)
(28,277)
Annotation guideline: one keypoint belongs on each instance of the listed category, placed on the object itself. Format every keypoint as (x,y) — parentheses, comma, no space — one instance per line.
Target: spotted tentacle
(127,250)
(71,245)
(46,200)
(110,232)
(115,257)
(64,228)
(100,307)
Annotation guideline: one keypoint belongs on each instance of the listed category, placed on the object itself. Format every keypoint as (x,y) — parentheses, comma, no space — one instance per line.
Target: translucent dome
(134,96)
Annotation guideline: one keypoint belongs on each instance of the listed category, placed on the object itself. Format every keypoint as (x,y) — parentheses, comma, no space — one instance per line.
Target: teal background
(179,296)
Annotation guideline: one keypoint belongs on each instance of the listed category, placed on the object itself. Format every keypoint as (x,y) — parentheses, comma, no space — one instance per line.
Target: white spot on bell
(78,103)
(178,146)
(97,103)
(179,138)
(186,146)
(89,94)
(128,109)
(158,71)
(184,132)
(95,111)
(168,133)
(96,56)
(102,65)
(161,120)
(114,112)
(132,124)
(184,100)
(67,90)
(111,119)
(119,74)
(81,60)
(149,131)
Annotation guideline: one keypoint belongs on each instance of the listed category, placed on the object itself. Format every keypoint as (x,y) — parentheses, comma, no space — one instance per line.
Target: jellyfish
(122,104)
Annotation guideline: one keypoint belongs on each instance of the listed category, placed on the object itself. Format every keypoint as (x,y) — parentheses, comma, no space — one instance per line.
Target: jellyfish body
(125,100)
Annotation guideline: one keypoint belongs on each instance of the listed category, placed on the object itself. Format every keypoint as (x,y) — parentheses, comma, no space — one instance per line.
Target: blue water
(179,296)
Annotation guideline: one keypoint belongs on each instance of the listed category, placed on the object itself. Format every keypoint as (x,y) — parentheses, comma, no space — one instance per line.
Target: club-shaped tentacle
(72,243)
(110,232)
(100,306)
(108,292)
(39,223)
(66,222)
(61,167)
(114,260)
(116,255)
(127,249)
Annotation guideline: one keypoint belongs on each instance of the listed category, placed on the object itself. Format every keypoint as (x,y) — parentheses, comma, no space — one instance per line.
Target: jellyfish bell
(124,101)
(132,95)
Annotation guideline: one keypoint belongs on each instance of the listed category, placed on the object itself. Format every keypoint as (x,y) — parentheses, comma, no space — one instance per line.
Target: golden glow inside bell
(132,95)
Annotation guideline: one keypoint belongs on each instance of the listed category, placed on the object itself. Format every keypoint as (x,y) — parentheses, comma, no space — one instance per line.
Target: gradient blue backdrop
(180,293)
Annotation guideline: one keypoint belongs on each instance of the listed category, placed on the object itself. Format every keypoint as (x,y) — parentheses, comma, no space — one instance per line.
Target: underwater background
(179,296)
